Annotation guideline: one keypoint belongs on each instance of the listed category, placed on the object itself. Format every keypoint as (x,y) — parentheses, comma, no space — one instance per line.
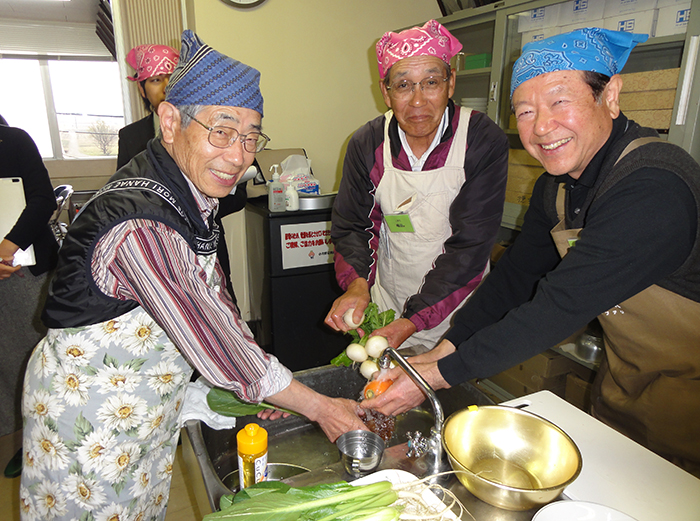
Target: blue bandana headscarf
(590,49)
(204,76)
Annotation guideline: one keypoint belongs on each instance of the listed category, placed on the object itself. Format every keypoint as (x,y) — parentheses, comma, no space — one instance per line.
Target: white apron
(404,258)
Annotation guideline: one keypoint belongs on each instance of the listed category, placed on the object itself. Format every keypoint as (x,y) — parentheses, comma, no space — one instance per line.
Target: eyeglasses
(430,86)
(224,137)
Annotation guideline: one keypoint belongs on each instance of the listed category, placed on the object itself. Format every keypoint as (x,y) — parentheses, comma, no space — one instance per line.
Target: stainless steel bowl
(589,347)
(316,202)
(510,458)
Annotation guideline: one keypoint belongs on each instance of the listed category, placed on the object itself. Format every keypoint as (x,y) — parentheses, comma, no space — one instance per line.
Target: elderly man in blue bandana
(611,232)
(139,300)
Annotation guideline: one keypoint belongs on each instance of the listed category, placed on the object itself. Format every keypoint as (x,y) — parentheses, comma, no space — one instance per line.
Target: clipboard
(12,204)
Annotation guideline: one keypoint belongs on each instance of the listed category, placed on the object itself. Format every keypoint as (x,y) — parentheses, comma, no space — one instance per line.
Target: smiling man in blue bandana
(611,232)
(139,300)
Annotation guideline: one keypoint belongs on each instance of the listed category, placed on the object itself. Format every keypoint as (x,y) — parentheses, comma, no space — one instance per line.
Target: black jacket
(133,139)
(151,186)
(19,157)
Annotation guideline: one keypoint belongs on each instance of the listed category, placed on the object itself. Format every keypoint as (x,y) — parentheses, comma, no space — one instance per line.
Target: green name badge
(400,223)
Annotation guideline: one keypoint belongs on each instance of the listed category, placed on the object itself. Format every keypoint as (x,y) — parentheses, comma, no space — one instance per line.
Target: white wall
(318,65)
(319,78)
(82,174)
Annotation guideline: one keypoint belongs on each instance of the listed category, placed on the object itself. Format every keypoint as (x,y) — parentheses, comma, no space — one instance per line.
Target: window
(72,108)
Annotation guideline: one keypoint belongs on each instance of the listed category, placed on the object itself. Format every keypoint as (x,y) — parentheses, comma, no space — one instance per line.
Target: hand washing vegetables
(381,501)
(347,318)
(373,320)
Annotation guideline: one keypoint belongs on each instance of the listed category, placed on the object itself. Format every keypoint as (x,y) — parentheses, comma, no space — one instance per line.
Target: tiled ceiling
(73,11)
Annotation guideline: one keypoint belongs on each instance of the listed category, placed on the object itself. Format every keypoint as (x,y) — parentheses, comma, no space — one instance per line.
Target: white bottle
(275,192)
(291,199)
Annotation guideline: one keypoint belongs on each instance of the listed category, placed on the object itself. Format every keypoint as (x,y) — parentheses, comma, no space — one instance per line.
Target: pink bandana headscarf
(151,60)
(430,40)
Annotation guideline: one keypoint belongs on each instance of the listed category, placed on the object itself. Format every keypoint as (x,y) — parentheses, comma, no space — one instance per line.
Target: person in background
(426,166)
(138,302)
(153,65)
(23,289)
(611,232)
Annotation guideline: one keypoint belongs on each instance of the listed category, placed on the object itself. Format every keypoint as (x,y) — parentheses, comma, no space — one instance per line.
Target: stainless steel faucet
(419,445)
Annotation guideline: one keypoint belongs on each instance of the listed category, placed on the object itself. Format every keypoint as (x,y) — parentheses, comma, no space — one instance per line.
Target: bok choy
(380,501)
(227,403)
(273,500)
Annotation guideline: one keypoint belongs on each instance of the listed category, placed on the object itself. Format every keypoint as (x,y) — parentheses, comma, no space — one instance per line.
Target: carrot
(375,388)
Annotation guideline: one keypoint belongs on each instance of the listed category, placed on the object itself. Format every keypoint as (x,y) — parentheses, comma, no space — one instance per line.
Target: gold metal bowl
(510,458)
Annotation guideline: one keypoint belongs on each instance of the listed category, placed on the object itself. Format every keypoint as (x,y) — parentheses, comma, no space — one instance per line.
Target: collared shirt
(418,162)
(149,262)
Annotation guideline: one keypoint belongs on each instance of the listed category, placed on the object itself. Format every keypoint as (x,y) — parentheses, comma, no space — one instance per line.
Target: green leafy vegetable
(275,501)
(373,320)
(227,403)
(342,360)
(408,500)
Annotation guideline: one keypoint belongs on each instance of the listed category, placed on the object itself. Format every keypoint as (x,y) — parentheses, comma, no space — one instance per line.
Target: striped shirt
(148,262)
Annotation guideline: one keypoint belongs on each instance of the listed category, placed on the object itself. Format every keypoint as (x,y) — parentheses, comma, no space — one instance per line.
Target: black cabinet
(292,279)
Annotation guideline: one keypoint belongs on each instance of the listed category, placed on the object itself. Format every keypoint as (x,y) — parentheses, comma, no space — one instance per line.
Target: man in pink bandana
(421,197)
(153,65)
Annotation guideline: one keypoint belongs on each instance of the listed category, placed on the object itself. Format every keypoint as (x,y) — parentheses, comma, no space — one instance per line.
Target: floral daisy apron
(101,409)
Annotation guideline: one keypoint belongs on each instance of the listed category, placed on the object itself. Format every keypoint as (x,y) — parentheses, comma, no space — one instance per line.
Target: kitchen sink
(298,450)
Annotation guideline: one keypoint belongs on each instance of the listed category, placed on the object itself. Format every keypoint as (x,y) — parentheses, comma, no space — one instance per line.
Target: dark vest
(686,280)
(149,187)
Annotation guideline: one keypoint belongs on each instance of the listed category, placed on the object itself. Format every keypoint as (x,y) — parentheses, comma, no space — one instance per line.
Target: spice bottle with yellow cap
(252,455)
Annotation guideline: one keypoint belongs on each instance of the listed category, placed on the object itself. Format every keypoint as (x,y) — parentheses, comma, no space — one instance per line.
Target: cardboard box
(647,100)
(544,365)
(538,18)
(520,182)
(667,3)
(578,392)
(673,20)
(520,156)
(510,384)
(581,11)
(656,119)
(643,22)
(615,8)
(650,80)
(523,171)
(581,25)
(539,34)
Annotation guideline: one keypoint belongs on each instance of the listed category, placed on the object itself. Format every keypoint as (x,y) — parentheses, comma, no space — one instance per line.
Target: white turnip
(376,345)
(356,352)
(368,368)
(347,318)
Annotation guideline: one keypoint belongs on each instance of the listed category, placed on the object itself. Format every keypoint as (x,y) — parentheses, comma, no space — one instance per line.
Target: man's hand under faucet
(404,394)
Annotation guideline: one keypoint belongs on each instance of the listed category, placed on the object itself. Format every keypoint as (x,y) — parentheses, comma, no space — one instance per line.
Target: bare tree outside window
(104,136)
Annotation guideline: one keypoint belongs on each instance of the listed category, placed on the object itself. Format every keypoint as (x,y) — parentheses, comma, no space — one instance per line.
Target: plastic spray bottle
(275,192)
(252,455)
(291,199)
